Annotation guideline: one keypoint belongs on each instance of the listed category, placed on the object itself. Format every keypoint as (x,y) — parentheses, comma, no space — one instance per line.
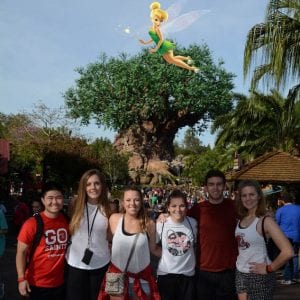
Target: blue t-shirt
(288,218)
(3,225)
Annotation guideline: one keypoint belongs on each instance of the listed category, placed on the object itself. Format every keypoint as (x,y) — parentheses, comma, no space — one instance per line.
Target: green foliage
(277,43)
(45,147)
(196,166)
(114,165)
(191,144)
(261,123)
(125,91)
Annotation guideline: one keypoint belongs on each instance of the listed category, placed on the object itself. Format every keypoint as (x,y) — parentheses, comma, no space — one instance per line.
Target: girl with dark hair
(176,268)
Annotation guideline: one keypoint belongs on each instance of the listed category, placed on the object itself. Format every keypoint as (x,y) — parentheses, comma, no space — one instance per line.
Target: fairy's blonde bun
(157,11)
(154,5)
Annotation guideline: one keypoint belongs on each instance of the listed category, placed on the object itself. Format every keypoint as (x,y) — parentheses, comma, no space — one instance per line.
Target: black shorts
(38,293)
(176,287)
(215,285)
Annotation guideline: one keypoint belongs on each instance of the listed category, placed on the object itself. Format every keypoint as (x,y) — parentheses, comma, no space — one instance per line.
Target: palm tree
(277,43)
(261,123)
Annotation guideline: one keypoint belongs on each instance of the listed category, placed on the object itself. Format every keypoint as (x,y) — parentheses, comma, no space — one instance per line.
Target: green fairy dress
(165,46)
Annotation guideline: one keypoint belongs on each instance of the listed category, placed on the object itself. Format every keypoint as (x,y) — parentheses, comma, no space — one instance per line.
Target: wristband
(21,279)
(269,269)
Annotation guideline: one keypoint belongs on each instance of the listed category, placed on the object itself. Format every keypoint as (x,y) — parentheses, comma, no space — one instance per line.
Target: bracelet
(269,269)
(21,279)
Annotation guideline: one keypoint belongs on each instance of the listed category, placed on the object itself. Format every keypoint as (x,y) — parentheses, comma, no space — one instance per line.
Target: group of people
(215,250)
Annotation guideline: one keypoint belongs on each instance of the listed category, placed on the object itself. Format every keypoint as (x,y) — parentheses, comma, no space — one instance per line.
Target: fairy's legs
(178,61)
(181,57)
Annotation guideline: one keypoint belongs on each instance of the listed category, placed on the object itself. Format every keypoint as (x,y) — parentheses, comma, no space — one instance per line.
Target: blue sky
(42,42)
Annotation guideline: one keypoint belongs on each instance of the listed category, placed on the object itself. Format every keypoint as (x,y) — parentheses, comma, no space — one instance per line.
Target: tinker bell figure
(165,47)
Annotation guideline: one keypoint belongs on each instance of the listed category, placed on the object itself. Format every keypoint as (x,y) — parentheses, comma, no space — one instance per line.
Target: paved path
(7,268)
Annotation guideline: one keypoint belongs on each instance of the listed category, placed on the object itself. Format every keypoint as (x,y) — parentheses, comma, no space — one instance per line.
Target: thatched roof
(275,167)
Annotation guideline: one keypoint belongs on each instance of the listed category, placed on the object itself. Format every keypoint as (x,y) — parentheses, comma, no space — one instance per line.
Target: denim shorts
(145,288)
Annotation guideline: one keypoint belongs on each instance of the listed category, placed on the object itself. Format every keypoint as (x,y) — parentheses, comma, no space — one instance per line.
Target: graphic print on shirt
(178,243)
(243,245)
(56,239)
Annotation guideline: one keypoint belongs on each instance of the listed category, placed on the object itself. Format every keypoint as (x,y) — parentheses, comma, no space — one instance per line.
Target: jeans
(296,260)
(291,269)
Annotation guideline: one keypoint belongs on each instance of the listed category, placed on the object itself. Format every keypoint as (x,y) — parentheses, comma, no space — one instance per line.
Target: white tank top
(99,243)
(121,246)
(252,247)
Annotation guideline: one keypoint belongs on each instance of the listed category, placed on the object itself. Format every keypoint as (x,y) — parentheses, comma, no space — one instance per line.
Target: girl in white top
(133,221)
(88,255)
(176,267)
(255,277)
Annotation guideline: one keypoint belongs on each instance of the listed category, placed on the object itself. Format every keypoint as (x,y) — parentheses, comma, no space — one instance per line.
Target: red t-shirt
(46,268)
(217,248)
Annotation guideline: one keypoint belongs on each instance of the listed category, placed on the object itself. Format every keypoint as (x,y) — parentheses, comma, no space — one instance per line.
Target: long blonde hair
(142,214)
(157,11)
(79,205)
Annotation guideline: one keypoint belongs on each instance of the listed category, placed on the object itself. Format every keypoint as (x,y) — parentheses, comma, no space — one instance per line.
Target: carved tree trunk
(150,148)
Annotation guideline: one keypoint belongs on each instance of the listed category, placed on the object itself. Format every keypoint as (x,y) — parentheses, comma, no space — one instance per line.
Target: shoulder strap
(263,229)
(162,228)
(188,219)
(131,251)
(38,235)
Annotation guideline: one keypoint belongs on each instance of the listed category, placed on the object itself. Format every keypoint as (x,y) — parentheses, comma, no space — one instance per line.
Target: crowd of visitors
(209,246)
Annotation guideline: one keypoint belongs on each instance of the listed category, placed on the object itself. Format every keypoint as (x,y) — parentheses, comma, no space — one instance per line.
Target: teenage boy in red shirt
(217,249)
(43,276)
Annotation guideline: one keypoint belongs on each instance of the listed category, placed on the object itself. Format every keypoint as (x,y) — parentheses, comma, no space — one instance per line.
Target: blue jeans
(291,270)
(296,260)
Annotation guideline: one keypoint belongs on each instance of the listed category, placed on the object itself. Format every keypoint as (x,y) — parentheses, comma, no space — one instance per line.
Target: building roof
(274,167)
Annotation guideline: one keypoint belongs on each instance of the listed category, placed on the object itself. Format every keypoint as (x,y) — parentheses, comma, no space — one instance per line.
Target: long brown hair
(78,210)
(142,214)
(261,206)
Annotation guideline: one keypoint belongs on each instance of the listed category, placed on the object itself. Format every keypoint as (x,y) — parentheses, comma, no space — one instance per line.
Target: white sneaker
(190,61)
(287,282)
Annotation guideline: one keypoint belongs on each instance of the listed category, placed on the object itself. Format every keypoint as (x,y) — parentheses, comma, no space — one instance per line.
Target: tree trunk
(150,148)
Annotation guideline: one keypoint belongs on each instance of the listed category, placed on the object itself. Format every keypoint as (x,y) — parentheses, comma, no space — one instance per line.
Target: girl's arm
(286,250)
(113,222)
(23,285)
(146,42)
(154,248)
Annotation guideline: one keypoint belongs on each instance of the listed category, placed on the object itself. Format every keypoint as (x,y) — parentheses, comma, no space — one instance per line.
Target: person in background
(288,218)
(21,214)
(114,206)
(3,231)
(36,206)
(176,268)
(255,275)
(217,248)
(88,255)
(133,224)
(2,207)
(43,276)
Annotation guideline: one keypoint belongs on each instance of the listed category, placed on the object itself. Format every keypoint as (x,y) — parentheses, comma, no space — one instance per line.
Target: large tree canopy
(121,92)
(147,100)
